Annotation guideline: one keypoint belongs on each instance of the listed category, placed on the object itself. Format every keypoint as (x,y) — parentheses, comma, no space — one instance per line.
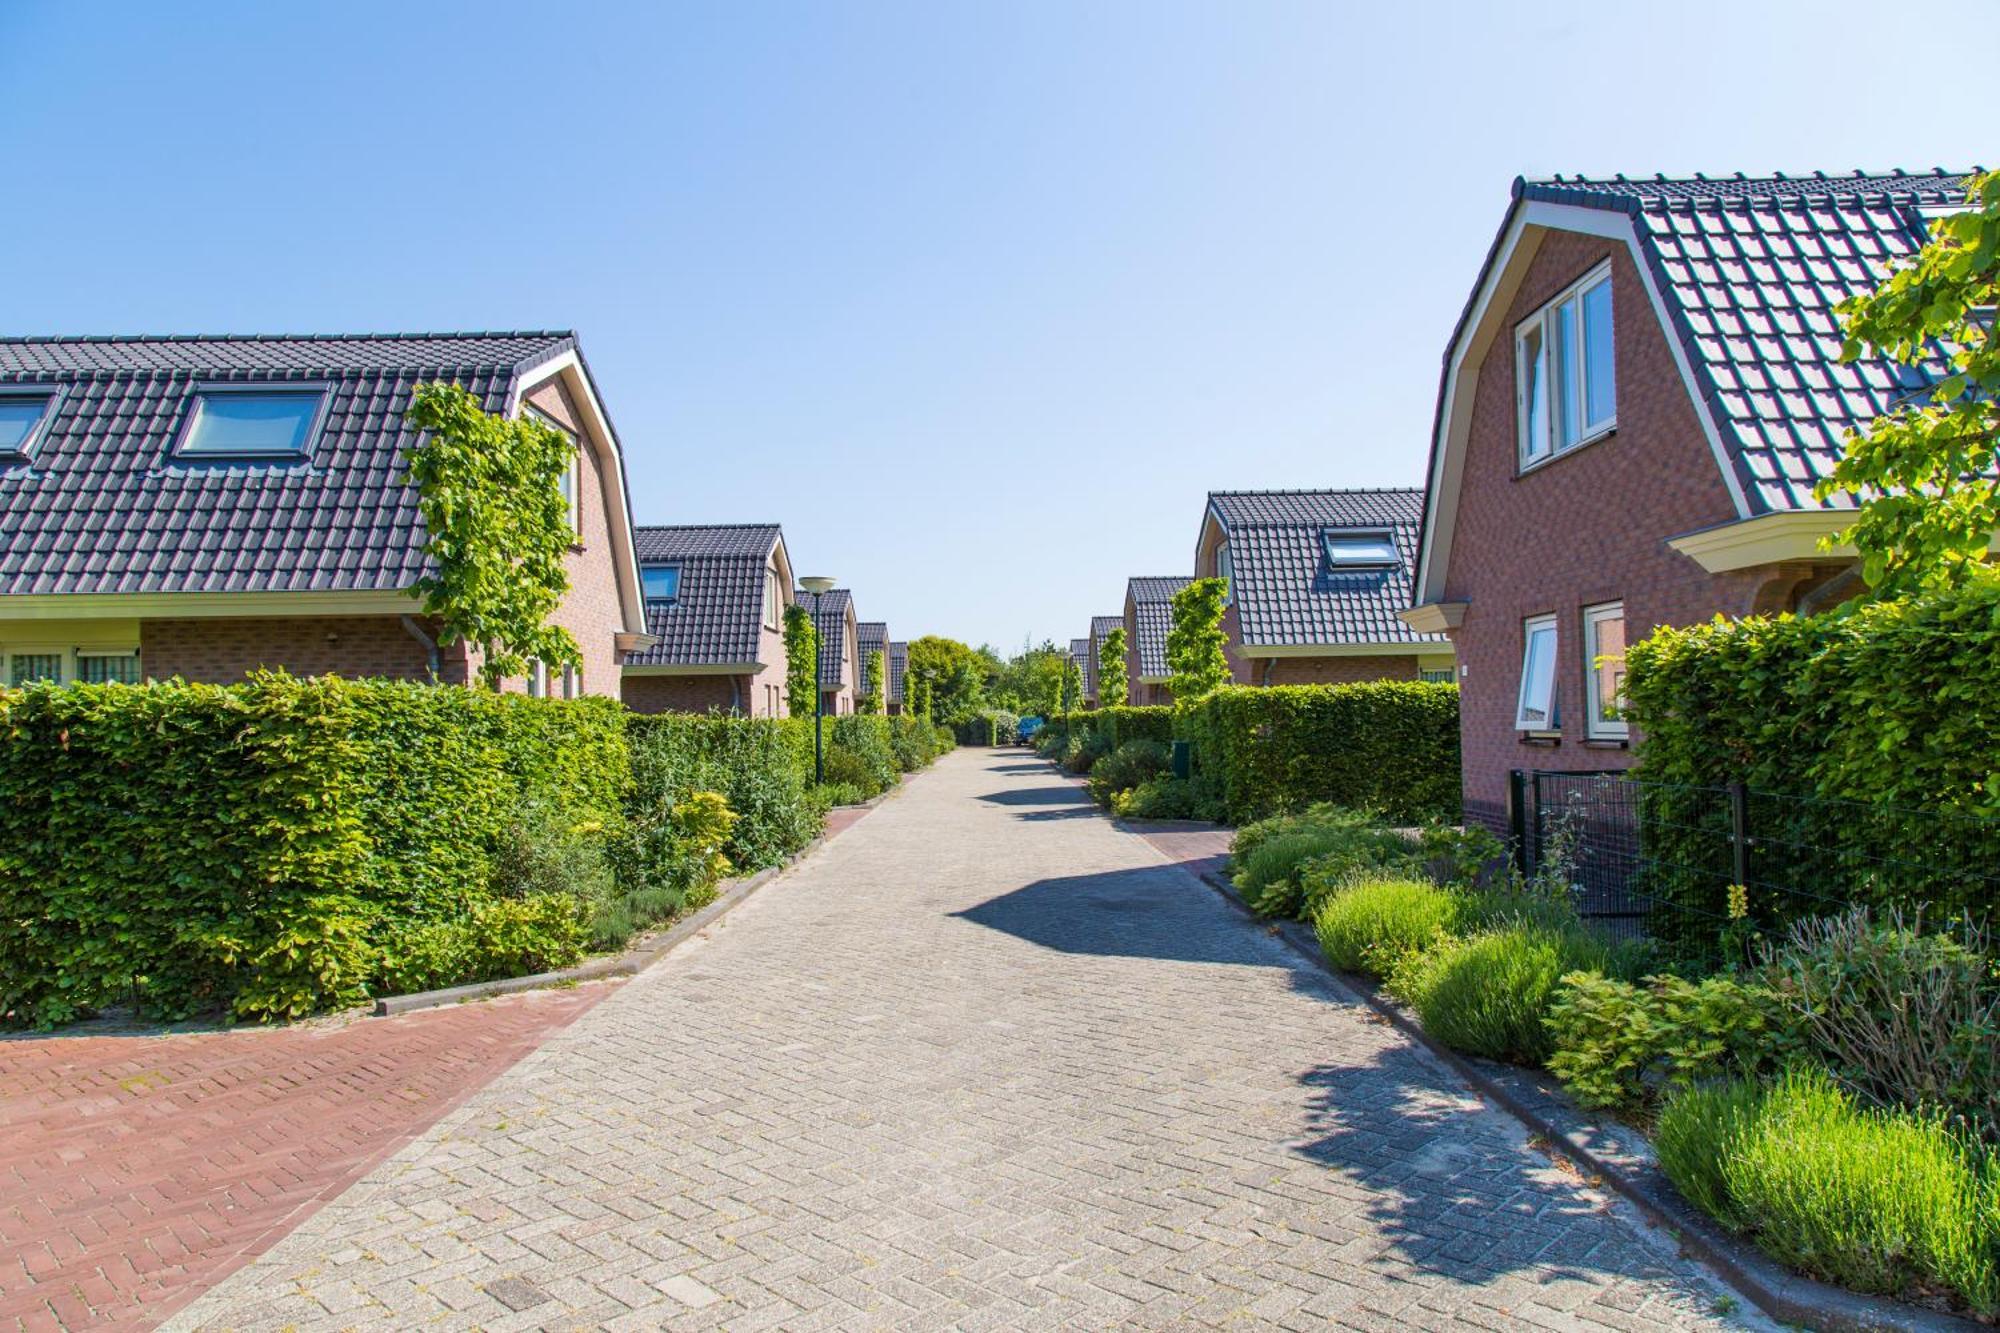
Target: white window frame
(774,602)
(83,655)
(51,396)
(1329,538)
(1596,726)
(571,482)
(1550,723)
(1574,387)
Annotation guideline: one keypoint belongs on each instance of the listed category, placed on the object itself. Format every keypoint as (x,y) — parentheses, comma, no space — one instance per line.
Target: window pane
(663,582)
(259,424)
(1361,550)
(19,415)
(1565,365)
(1607,670)
(1538,678)
(1534,395)
(106,668)
(1599,376)
(24,668)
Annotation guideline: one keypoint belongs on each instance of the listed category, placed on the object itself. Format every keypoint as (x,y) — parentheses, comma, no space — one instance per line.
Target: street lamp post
(818,587)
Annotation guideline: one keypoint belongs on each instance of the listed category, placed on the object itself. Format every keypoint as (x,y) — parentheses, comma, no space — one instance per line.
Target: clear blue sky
(885,273)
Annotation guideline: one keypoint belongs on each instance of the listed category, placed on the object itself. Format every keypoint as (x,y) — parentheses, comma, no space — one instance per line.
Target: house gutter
(416,632)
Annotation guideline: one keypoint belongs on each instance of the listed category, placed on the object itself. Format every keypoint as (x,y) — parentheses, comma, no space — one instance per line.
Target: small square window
(107,668)
(227,422)
(1348,549)
(27,668)
(1537,709)
(24,414)
(662,584)
(1604,671)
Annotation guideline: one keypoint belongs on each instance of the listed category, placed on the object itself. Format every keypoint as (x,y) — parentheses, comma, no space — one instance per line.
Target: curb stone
(1623,1161)
(650,949)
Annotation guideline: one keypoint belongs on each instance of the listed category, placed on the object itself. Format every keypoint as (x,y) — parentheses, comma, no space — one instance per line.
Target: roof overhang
(194,605)
(1767,539)
(1521,235)
(1383,648)
(568,366)
(1433,617)
(700,669)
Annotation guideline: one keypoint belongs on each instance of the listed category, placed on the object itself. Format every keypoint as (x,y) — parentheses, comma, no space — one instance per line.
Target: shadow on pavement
(1135,913)
(1038,796)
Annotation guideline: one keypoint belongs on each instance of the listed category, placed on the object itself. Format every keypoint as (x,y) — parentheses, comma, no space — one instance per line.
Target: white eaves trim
(1379,649)
(1531,221)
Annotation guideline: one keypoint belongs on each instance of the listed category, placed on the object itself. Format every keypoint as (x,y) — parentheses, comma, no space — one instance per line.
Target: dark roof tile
(717,620)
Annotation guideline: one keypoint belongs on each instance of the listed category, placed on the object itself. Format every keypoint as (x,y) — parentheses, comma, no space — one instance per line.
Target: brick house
(871,637)
(1640,393)
(1316,582)
(899,666)
(205,506)
(1100,629)
(839,640)
(1148,616)
(715,597)
(1079,653)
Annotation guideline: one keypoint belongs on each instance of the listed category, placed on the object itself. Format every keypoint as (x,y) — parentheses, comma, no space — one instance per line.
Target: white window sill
(1524,466)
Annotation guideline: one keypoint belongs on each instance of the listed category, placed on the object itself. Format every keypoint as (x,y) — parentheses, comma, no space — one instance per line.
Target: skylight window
(226,422)
(23,414)
(662,584)
(1359,550)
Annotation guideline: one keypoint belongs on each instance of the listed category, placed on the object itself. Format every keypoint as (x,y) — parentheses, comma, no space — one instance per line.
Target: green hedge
(758,764)
(191,845)
(1388,747)
(1116,725)
(1867,736)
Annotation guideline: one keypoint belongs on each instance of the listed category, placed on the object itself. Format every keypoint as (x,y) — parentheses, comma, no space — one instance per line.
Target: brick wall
(687,694)
(1335,670)
(224,649)
(1586,528)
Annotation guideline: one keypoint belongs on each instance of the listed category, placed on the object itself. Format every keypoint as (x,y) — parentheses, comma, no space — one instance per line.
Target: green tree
(951,673)
(1197,647)
(801,662)
(872,671)
(499,529)
(1111,669)
(1924,474)
(1072,684)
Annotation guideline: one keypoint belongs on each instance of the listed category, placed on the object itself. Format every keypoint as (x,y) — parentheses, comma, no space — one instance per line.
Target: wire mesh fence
(1681,863)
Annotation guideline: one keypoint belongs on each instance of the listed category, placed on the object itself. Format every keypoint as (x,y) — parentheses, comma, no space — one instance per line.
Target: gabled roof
(1744,273)
(1100,627)
(870,637)
(1152,615)
(899,662)
(718,618)
(102,509)
(1284,589)
(830,611)
(1079,651)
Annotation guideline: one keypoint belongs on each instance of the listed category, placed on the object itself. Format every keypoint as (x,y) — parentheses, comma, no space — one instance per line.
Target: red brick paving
(1201,848)
(135,1171)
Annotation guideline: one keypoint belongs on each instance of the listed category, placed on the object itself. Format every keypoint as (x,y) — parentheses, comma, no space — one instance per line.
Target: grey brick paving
(986,1062)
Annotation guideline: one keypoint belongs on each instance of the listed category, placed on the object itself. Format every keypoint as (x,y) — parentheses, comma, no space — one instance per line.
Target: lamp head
(817,586)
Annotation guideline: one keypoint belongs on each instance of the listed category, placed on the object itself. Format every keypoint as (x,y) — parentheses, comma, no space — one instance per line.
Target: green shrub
(1878,710)
(859,752)
(1167,797)
(844,793)
(538,852)
(1284,866)
(1126,767)
(1386,746)
(1624,1044)
(193,846)
(990,726)
(1489,994)
(1887,1202)
(669,861)
(502,937)
(943,739)
(762,767)
(1902,1017)
(1368,926)
(911,742)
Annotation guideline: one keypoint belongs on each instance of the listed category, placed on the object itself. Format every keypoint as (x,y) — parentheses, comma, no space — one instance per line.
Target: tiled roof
(1079,651)
(829,612)
(1152,615)
(718,618)
(1751,269)
(1283,588)
(899,662)
(1100,626)
(870,637)
(100,509)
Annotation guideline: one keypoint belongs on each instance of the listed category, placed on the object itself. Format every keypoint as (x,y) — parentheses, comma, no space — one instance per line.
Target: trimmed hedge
(189,845)
(1388,747)
(1883,712)
(757,764)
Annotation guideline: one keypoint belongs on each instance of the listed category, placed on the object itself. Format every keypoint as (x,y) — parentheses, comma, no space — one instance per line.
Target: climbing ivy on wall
(801,662)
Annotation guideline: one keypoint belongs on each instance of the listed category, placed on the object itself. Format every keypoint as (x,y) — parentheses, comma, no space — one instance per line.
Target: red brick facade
(1585,528)
(223,649)
(1335,670)
(689,694)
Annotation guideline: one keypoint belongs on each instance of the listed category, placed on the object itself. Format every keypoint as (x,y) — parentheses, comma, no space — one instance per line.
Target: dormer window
(227,421)
(24,415)
(1566,389)
(662,584)
(1355,549)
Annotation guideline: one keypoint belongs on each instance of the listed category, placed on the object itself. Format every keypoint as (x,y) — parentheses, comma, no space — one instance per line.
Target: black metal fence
(1673,861)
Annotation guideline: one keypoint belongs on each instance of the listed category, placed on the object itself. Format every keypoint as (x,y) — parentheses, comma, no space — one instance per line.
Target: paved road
(985,1062)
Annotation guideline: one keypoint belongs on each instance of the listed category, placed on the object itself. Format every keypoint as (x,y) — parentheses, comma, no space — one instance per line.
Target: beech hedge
(183,845)
(1867,737)
(1387,747)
